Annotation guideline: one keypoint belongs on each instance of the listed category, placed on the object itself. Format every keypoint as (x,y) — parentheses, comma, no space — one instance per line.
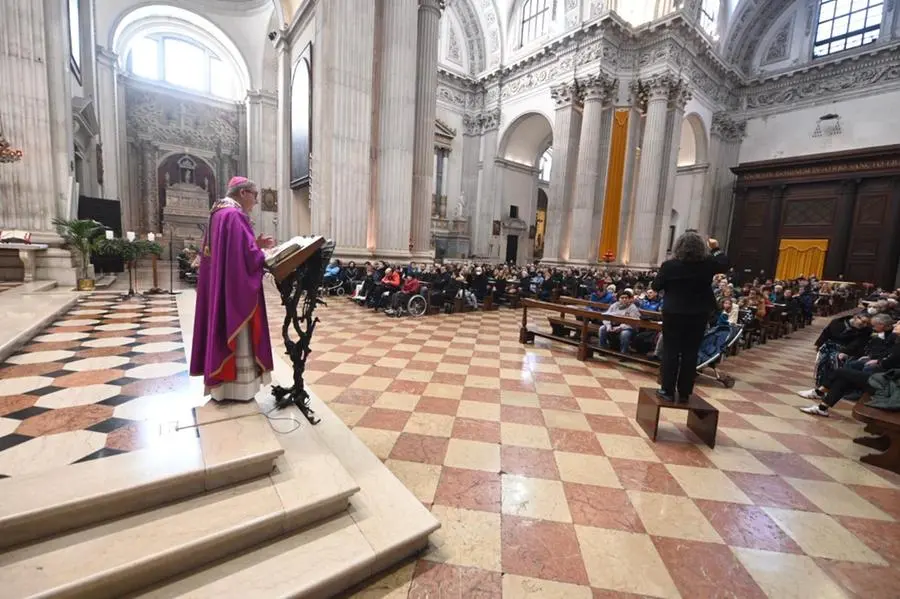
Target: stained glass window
(846,24)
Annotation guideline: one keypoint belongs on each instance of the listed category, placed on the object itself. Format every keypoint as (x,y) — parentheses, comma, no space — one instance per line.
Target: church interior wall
(300,213)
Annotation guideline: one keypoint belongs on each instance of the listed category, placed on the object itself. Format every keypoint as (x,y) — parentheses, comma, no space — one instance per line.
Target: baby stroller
(716,343)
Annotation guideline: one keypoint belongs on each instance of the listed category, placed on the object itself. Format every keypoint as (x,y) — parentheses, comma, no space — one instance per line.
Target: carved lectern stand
(298,267)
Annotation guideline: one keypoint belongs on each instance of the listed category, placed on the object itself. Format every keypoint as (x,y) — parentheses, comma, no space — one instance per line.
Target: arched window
(535,19)
(846,24)
(545,164)
(709,17)
(183,63)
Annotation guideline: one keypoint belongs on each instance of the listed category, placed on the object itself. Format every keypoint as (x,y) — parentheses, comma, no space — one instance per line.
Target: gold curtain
(612,205)
(801,257)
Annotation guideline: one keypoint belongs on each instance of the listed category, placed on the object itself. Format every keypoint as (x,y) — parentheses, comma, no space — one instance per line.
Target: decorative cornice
(727,128)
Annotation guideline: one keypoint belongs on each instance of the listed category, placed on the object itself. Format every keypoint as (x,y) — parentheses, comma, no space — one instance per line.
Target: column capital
(490,120)
(565,94)
(680,96)
(598,88)
(435,5)
(106,57)
(727,128)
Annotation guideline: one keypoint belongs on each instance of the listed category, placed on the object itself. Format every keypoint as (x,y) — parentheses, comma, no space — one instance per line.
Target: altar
(185,214)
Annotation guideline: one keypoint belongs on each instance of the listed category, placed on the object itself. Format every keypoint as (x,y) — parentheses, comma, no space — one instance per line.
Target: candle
(151,237)
(109,234)
(129,235)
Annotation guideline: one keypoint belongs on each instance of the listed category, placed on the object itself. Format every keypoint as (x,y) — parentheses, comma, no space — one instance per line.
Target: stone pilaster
(425,114)
(724,150)
(488,123)
(262,114)
(677,101)
(593,155)
(566,133)
(282,182)
(644,234)
(150,188)
(107,65)
(396,131)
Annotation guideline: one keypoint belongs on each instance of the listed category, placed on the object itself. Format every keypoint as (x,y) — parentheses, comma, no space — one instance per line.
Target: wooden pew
(880,422)
(573,301)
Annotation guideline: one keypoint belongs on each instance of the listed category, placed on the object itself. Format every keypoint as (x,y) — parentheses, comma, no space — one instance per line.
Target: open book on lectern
(293,253)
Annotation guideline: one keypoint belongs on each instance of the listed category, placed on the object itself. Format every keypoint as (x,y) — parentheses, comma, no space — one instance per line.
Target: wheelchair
(416,305)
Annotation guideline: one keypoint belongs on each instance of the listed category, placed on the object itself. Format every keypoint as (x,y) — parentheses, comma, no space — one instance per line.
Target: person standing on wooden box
(686,281)
(232,350)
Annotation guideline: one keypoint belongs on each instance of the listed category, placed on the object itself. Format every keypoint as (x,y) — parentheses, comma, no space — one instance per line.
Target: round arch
(694,146)
(164,19)
(525,138)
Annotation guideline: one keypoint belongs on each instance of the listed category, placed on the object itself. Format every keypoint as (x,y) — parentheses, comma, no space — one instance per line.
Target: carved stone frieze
(471,25)
(780,46)
(481,123)
(598,7)
(728,128)
(565,94)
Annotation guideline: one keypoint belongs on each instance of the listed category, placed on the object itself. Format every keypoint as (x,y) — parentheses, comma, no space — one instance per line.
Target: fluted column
(566,131)
(262,157)
(425,114)
(396,131)
(677,100)
(596,91)
(282,182)
(487,201)
(109,130)
(644,230)
(715,213)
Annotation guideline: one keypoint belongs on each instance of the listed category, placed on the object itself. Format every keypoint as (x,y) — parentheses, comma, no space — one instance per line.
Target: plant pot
(85,284)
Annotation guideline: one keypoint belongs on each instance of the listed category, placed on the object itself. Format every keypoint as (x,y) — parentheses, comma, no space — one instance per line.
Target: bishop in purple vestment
(231,346)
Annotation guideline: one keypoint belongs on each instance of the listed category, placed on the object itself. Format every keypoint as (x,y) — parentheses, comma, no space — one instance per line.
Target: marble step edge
(121,556)
(9,346)
(384,525)
(182,465)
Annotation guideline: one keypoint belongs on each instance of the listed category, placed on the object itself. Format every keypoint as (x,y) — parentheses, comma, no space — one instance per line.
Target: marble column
(107,64)
(262,113)
(396,131)
(425,114)
(282,182)
(487,202)
(591,166)
(724,150)
(566,133)
(677,101)
(644,234)
(120,150)
(150,196)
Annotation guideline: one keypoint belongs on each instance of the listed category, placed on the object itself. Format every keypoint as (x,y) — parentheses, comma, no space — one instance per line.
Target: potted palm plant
(130,252)
(81,235)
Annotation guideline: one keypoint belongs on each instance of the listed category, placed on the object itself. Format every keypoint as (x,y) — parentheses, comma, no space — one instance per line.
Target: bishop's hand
(264,242)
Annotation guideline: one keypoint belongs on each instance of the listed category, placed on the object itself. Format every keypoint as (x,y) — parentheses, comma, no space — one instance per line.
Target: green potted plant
(130,252)
(81,235)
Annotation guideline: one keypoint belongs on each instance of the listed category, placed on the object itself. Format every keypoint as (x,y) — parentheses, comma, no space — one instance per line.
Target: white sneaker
(815,410)
(809,394)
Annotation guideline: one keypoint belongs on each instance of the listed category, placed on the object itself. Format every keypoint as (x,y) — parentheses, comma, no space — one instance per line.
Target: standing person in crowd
(686,281)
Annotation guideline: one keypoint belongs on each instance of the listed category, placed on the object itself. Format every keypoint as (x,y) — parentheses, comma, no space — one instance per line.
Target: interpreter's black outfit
(687,304)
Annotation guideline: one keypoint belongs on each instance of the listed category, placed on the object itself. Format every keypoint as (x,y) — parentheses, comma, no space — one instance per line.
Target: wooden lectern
(298,267)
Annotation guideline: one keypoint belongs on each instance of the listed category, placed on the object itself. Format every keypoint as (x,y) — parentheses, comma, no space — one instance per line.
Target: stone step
(233,444)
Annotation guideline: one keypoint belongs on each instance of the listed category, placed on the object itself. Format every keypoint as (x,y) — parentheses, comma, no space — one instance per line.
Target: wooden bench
(880,422)
(573,301)
(702,420)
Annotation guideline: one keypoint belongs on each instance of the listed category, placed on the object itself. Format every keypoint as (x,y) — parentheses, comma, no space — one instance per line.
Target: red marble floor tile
(542,549)
(413,387)
(607,594)
(757,397)
(746,526)
(611,425)
(64,419)
(88,377)
(588,392)
(548,377)
(489,355)
(14,403)
(168,356)
(469,489)
(525,461)
(400,355)
(464,360)
(391,420)
(805,445)
(886,499)
(102,352)
(448,378)
(771,491)
(358,397)
(421,365)
(423,449)
(521,415)
(651,477)
(790,465)
(132,436)
(721,575)
(357,359)
(818,428)
(732,420)
(683,454)
(619,384)
(744,407)
(442,581)
(525,386)
(437,405)
(475,430)
(388,373)
(18,370)
(771,388)
(575,441)
(556,402)
(602,507)
(882,537)
(51,346)
(87,329)
(484,371)
(335,379)
(573,369)
(482,395)
(864,580)
(427,349)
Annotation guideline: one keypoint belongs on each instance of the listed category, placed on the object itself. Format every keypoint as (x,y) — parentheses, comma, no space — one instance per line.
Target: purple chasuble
(229,297)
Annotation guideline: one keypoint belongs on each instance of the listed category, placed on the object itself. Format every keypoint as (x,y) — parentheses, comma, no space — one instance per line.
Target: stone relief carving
(493,33)
(780,47)
(727,127)
(471,27)
(565,94)
(453,51)
(451,96)
(598,88)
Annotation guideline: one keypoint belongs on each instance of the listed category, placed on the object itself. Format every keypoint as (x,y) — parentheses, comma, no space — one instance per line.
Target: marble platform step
(384,525)
(105,281)
(27,309)
(233,444)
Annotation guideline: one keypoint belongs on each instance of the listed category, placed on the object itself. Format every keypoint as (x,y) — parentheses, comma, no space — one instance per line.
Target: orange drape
(612,204)
(801,257)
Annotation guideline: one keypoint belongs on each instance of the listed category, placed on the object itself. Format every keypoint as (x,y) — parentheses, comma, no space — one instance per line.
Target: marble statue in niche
(461,208)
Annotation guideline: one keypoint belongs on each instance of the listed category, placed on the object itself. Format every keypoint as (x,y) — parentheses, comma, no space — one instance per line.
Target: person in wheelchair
(388,286)
(411,286)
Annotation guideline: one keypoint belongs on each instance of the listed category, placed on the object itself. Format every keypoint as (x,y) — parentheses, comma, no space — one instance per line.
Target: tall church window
(709,17)
(182,63)
(74,8)
(846,24)
(545,164)
(535,19)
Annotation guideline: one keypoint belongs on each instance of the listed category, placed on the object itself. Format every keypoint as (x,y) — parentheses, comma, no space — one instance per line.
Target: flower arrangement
(7,153)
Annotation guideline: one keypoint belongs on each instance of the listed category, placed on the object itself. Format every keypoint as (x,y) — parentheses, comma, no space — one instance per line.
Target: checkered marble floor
(545,486)
(91,384)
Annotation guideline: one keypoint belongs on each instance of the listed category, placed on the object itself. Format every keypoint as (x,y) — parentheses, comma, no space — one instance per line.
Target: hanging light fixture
(7,153)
